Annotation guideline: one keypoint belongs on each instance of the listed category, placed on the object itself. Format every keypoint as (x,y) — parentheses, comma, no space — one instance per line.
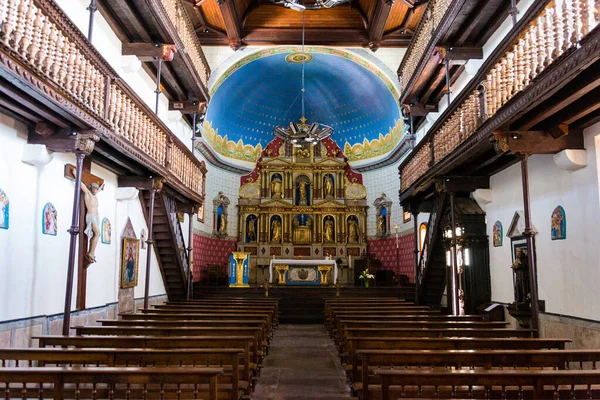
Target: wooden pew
(259,343)
(365,314)
(356,344)
(344,326)
(469,359)
(213,313)
(332,310)
(260,304)
(110,383)
(150,342)
(536,384)
(228,359)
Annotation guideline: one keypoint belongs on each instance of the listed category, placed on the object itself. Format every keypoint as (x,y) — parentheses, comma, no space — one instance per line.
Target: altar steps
(302,305)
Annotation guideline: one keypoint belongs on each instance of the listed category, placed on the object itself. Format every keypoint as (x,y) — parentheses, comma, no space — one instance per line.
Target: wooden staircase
(169,246)
(432,266)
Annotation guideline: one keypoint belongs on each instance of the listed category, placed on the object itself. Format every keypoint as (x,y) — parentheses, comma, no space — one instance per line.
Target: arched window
(422,235)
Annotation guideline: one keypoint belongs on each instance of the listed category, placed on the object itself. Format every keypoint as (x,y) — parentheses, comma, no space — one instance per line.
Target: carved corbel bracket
(63,140)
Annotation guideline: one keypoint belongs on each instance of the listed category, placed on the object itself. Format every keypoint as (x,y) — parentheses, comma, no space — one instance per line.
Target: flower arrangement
(366,276)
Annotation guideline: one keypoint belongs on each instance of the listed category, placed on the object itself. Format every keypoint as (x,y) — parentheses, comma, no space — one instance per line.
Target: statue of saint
(380,224)
(302,200)
(223,224)
(275,230)
(92,219)
(251,229)
(328,186)
(276,187)
(352,230)
(328,231)
(521,268)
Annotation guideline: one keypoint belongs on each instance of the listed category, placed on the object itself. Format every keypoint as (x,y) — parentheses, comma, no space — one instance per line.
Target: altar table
(315,265)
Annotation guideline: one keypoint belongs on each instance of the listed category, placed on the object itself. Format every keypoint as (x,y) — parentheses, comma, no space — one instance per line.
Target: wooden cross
(87,178)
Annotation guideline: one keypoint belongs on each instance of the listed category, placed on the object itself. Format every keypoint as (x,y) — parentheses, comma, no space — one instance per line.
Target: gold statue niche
(302,200)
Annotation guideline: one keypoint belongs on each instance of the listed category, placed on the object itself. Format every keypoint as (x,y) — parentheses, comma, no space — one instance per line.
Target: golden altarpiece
(302,201)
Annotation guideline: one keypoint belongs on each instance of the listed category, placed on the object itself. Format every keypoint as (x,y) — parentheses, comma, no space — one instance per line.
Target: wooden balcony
(453,31)
(534,95)
(52,78)
(153,22)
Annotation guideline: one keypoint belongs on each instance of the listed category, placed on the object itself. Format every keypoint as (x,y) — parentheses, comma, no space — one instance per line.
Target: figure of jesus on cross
(92,219)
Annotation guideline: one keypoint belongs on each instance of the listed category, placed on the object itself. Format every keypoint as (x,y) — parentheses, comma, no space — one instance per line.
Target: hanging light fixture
(302,133)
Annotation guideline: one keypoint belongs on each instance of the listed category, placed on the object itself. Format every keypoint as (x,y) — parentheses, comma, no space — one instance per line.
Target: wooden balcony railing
(190,45)
(559,27)
(41,46)
(420,44)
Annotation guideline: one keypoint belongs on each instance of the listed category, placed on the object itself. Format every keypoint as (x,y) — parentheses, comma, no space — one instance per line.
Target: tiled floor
(302,364)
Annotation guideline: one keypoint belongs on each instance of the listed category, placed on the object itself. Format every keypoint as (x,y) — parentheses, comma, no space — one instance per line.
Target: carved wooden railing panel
(436,9)
(185,31)
(35,35)
(555,30)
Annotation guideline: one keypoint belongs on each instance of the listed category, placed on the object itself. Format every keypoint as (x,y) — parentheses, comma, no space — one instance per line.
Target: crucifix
(92,183)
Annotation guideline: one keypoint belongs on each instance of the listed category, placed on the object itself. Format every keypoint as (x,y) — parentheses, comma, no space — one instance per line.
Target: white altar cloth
(304,261)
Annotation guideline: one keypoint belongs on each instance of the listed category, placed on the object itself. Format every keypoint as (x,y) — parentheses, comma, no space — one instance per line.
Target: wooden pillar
(535,311)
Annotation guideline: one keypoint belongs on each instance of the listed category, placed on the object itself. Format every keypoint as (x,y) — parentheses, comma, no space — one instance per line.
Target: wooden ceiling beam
(149,51)
(539,142)
(580,86)
(188,107)
(379,19)
(313,36)
(456,184)
(421,110)
(232,23)
(460,55)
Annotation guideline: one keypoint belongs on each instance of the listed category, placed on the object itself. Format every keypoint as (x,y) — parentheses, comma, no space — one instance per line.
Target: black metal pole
(513,12)
(535,312)
(454,258)
(191,227)
(74,231)
(150,242)
(416,251)
(448,91)
(158,91)
(92,8)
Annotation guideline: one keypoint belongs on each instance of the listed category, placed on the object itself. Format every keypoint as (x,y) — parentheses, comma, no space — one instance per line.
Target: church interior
(299,199)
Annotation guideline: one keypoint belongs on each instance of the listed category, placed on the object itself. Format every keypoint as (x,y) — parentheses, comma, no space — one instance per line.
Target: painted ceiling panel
(263,91)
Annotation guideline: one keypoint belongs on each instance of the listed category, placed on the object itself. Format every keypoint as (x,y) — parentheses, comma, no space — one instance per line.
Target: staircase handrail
(177,233)
(430,238)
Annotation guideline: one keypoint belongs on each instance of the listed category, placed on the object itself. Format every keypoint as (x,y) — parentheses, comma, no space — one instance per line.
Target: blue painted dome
(263,90)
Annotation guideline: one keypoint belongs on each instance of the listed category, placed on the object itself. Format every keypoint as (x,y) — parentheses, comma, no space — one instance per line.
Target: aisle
(302,364)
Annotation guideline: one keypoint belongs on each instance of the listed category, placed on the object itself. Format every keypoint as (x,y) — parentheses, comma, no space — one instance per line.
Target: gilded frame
(129,262)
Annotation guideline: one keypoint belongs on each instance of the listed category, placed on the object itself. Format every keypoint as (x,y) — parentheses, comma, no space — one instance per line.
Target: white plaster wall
(218,179)
(33,266)
(384,180)
(568,270)
(215,55)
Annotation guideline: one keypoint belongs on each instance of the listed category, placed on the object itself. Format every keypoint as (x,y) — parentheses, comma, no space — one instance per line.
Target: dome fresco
(263,90)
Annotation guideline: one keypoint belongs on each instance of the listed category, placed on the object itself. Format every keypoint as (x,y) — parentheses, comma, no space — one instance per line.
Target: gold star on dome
(303,120)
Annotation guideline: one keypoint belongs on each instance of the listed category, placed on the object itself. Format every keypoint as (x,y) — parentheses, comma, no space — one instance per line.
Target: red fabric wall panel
(208,250)
(385,250)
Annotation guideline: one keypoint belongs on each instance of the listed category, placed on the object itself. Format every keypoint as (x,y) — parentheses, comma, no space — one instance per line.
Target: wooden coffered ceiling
(372,23)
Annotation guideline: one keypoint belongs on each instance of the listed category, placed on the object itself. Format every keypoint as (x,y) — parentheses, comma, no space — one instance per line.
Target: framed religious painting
(406,216)
(129,263)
